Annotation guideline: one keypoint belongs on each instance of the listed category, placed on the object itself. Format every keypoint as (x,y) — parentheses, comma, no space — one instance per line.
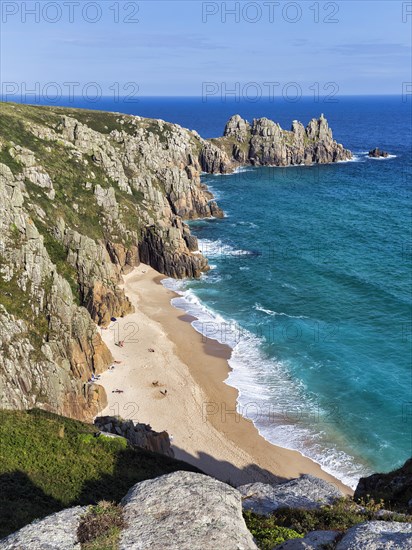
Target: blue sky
(174,47)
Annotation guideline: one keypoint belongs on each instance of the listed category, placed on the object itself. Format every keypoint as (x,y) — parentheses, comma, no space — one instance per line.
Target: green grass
(8,160)
(49,462)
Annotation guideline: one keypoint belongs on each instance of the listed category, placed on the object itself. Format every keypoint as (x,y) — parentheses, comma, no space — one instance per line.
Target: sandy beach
(174,381)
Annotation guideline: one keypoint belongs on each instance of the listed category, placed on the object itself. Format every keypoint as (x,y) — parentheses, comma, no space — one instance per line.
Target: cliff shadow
(21,502)
(132,466)
(226,471)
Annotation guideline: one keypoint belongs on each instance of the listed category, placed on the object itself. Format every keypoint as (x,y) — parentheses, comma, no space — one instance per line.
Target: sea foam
(277,404)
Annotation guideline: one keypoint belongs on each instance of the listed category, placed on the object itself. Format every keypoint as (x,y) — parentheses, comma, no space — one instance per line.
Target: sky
(209,48)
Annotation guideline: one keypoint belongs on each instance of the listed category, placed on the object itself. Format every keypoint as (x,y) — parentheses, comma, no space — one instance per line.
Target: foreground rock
(377,153)
(307,492)
(139,435)
(55,532)
(394,488)
(184,511)
(378,535)
(315,540)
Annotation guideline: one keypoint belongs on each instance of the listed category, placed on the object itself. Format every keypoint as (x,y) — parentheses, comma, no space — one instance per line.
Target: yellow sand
(197,410)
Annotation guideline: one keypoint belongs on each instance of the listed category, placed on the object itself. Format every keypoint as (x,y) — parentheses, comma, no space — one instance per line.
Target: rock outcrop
(139,435)
(179,511)
(55,532)
(378,535)
(187,510)
(264,143)
(183,511)
(394,488)
(307,492)
(377,153)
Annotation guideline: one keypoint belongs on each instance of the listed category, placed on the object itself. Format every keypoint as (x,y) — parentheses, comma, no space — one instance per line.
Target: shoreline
(199,409)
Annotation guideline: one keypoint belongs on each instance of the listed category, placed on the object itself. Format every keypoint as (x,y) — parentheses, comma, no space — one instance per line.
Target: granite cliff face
(264,143)
(86,196)
(50,345)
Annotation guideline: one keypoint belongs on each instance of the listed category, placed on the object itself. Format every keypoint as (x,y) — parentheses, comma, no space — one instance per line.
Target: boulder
(378,535)
(315,540)
(55,532)
(306,492)
(184,511)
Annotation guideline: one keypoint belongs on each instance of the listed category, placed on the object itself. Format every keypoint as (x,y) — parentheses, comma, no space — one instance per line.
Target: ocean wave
(245,224)
(216,249)
(278,404)
(238,170)
(355,158)
(287,285)
(366,154)
(384,158)
(258,307)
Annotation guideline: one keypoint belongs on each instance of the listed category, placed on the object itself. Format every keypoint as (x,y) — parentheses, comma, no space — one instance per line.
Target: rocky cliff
(264,143)
(86,196)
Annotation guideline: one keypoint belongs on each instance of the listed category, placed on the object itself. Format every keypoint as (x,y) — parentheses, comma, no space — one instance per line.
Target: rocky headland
(264,143)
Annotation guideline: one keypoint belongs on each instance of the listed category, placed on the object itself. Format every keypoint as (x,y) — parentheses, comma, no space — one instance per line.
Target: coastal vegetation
(49,462)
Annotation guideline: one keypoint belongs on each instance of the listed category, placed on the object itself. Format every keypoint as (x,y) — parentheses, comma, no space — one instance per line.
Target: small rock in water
(377,153)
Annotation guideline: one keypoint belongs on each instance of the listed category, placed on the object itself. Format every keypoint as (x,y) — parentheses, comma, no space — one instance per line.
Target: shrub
(266,532)
(100,527)
(340,516)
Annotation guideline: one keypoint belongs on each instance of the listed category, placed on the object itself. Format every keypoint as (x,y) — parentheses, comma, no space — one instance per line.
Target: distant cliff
(86,196)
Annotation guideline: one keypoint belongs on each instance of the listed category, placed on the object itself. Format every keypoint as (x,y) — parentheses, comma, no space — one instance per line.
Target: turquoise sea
(311,281)
(311,286)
